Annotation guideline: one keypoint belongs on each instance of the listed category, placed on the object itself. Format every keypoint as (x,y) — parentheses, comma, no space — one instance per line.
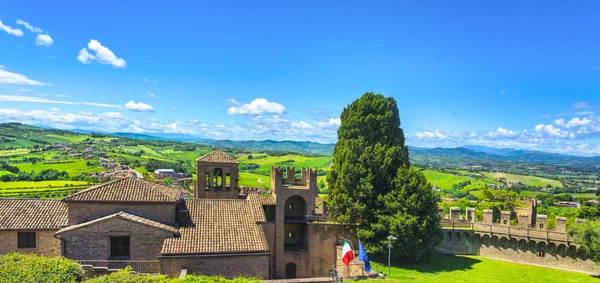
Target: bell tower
(217,174)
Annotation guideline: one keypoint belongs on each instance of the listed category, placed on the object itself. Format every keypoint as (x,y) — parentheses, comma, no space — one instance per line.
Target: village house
(154,228)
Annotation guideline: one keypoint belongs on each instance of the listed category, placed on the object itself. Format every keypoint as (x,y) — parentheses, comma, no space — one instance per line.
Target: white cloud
(29,27)
(233,102)
(576,122)
(2,67)
(258,106)
(138,106)
(150,81)
(62,95)
(102,54)
(85,57)
(435,134)
(54,109)
(7,77)
(150,94)
(33,99)
(9,30)
(333,122)
(44,40)
(302,125)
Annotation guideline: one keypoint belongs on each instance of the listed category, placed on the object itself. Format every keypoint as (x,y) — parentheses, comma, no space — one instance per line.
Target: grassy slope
(446,181)
(73,168)
(254,180)
(529,180)
(445,268)
(299,161)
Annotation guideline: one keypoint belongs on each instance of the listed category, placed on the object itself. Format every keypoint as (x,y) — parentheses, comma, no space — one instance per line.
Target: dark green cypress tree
(372,186)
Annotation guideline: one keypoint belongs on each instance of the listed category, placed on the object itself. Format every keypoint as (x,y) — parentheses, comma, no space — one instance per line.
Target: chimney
(182,217)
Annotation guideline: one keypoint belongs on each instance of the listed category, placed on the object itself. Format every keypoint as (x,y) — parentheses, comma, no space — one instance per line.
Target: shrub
(15,267)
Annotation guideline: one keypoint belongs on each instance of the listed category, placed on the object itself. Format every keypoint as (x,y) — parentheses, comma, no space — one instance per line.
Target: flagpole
(390,239)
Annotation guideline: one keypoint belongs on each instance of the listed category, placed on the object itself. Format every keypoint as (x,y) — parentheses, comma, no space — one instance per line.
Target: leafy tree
(372,186)
(587,235)
(588,212)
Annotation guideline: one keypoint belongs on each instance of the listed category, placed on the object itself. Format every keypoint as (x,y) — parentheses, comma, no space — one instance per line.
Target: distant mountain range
(506,154)
(471,152)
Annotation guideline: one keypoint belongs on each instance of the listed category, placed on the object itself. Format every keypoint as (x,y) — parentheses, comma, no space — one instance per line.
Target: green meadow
(475,269)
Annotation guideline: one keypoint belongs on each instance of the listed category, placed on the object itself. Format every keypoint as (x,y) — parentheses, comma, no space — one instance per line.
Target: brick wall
(92,242)
(321,255)
(226,266)
(46,244)
(84,211)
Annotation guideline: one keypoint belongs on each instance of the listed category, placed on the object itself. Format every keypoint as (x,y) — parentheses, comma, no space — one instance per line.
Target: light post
(390,239)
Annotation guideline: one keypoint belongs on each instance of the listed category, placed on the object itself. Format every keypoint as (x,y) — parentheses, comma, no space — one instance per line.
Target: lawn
(529,180)
(73,168)
(446,268)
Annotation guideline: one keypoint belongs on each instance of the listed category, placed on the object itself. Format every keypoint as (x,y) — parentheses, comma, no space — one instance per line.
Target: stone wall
(516,248)
(46,244)
(226,266)
(92,242)
(85,211)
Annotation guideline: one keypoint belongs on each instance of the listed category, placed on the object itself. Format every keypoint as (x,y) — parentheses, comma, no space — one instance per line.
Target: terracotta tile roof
(122,215)
(218,226)
(268,200)
(217,156)
(256,207)
(128,190)
(32,214)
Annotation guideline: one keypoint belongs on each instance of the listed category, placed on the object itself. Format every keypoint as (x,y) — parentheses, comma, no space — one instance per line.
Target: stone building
(154,228)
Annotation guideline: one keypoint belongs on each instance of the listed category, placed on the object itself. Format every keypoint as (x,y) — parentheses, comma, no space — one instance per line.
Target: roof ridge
(158,190)
(94,187)
(122,215)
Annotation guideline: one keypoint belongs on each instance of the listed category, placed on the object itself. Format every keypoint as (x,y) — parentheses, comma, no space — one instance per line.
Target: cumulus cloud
(333,122)
(29,26)
(138,106)
(7,77)
(101,54)
(258,106)
(33,99)
(9,30)
(44,40)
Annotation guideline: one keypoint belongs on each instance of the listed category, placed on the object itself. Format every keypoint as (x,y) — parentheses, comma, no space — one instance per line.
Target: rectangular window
(119,247)
(26,240)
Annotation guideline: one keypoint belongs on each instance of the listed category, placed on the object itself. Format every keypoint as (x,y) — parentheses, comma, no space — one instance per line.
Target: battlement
(523,227)
(307,180)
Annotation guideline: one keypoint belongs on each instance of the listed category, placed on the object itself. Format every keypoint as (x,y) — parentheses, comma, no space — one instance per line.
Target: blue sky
(499,73)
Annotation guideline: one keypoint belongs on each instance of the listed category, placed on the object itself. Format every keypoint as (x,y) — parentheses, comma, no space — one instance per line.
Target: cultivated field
(528,180)
(73,167)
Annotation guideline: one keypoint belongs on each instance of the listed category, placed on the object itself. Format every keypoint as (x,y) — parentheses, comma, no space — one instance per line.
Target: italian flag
(347,254)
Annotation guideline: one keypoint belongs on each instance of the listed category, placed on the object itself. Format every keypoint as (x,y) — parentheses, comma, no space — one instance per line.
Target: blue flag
(362,255)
